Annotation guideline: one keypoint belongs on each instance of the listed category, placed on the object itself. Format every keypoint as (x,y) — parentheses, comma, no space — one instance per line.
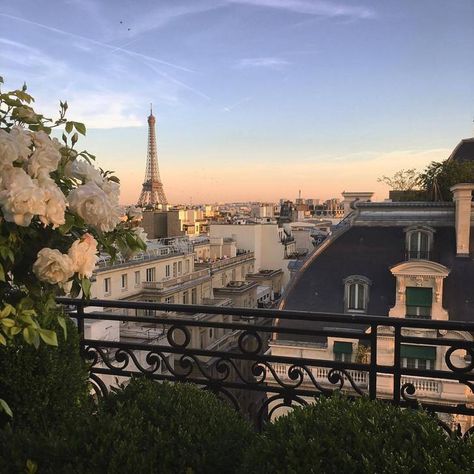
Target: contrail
(182,84)
(98,43)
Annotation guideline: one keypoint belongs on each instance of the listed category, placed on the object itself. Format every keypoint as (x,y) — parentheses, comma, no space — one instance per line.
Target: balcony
(171,282)
(259,357)
(221,263)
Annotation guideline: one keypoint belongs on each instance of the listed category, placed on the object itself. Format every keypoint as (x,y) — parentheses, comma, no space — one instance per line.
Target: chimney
(351,197)
(462,197)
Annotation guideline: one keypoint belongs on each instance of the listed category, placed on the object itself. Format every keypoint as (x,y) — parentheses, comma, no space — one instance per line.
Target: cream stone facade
(270,244)
(401,260)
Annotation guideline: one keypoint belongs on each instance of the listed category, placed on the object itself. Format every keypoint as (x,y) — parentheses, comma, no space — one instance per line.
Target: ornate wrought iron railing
(249,356)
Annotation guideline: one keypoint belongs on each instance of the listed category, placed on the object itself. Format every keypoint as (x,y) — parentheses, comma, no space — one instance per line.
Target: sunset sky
(255,99)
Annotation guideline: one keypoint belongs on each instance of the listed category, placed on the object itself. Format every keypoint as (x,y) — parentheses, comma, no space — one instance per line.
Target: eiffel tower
(153,194)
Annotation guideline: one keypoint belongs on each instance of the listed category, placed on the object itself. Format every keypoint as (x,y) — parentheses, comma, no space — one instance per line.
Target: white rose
(53,267)
(14,146)
(80,169)
(55,203)
(112,189)
(140,233)
(21,198)
(46,156)
(135,213)
(93,205)
(13,177)
(83,253)
(23,138)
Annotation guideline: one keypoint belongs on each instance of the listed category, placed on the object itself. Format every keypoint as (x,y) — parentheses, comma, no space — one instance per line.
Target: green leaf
(48,336)
(3,341)
(75,289)
(31,467)
(15,330)
(80,127)
(69,126)
(74,138)
(1,80)
(86,288)
(7,322)
(62,323)
(28,335)
(4,407)
(2,273)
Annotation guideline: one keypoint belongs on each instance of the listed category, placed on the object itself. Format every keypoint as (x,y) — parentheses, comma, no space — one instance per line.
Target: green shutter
(342,347)
(419,296)
(418,352)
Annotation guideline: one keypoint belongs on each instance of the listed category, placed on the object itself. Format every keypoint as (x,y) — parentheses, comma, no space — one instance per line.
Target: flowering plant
(57,212)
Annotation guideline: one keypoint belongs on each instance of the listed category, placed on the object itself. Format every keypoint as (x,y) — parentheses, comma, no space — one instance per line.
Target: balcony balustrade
(244,364)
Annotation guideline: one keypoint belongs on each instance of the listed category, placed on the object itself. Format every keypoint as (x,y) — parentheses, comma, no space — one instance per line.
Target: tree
(438,177)
(403,180)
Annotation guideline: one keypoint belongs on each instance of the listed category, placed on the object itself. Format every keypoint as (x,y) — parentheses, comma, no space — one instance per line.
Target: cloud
(228,108)
(163,14)
(312,7)
(19,55)
(265,62)
(95,42)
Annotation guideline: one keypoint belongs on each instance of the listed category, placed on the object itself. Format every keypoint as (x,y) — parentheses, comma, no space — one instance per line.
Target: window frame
(150,271)
(419,253)
(107,286)
(137,280)
(124,281)
(361,283)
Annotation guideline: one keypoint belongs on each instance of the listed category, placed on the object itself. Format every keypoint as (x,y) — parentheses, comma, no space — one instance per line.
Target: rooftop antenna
(151,108)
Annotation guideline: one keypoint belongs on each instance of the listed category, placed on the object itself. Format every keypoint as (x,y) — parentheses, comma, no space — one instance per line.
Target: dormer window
(356,293)
(419,241)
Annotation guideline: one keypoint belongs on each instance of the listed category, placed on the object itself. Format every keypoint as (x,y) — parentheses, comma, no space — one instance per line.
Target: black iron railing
(248,355)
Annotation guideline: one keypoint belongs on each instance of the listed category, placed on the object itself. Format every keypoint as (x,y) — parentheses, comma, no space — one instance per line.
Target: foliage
(144,427)
(44,387)
(180,427)
(403,180)
(57,211)
(438,177)
(337,435)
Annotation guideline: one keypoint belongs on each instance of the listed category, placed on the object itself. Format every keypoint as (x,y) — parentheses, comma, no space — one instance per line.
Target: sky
(254,99)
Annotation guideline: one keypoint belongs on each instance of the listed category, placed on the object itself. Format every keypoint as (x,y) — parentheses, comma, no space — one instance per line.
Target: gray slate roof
(371,251)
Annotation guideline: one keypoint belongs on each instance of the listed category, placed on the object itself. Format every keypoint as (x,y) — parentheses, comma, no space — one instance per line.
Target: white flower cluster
(97,199)
(57,268)
(26,188)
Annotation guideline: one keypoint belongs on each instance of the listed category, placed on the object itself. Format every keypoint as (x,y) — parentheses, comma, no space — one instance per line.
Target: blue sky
(255,99)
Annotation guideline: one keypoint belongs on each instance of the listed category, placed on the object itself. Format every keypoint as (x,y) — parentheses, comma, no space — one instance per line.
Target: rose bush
(57,212)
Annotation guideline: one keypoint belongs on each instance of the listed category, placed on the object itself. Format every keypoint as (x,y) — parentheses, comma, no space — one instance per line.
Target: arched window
(356,293)
(419,242)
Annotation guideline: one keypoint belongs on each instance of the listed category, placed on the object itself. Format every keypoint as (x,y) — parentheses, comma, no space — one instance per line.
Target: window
(137,278)
(175,269)
(187,266)
(180,268)
(150,274)
(107,286)
(419,242)
(418,302)
(149,312)
(185,297)
(233,275)
(167,271)
(194,296)
(123,281)
(342,351)
(418,357)
(169,300)
(211,333)
(356,297)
